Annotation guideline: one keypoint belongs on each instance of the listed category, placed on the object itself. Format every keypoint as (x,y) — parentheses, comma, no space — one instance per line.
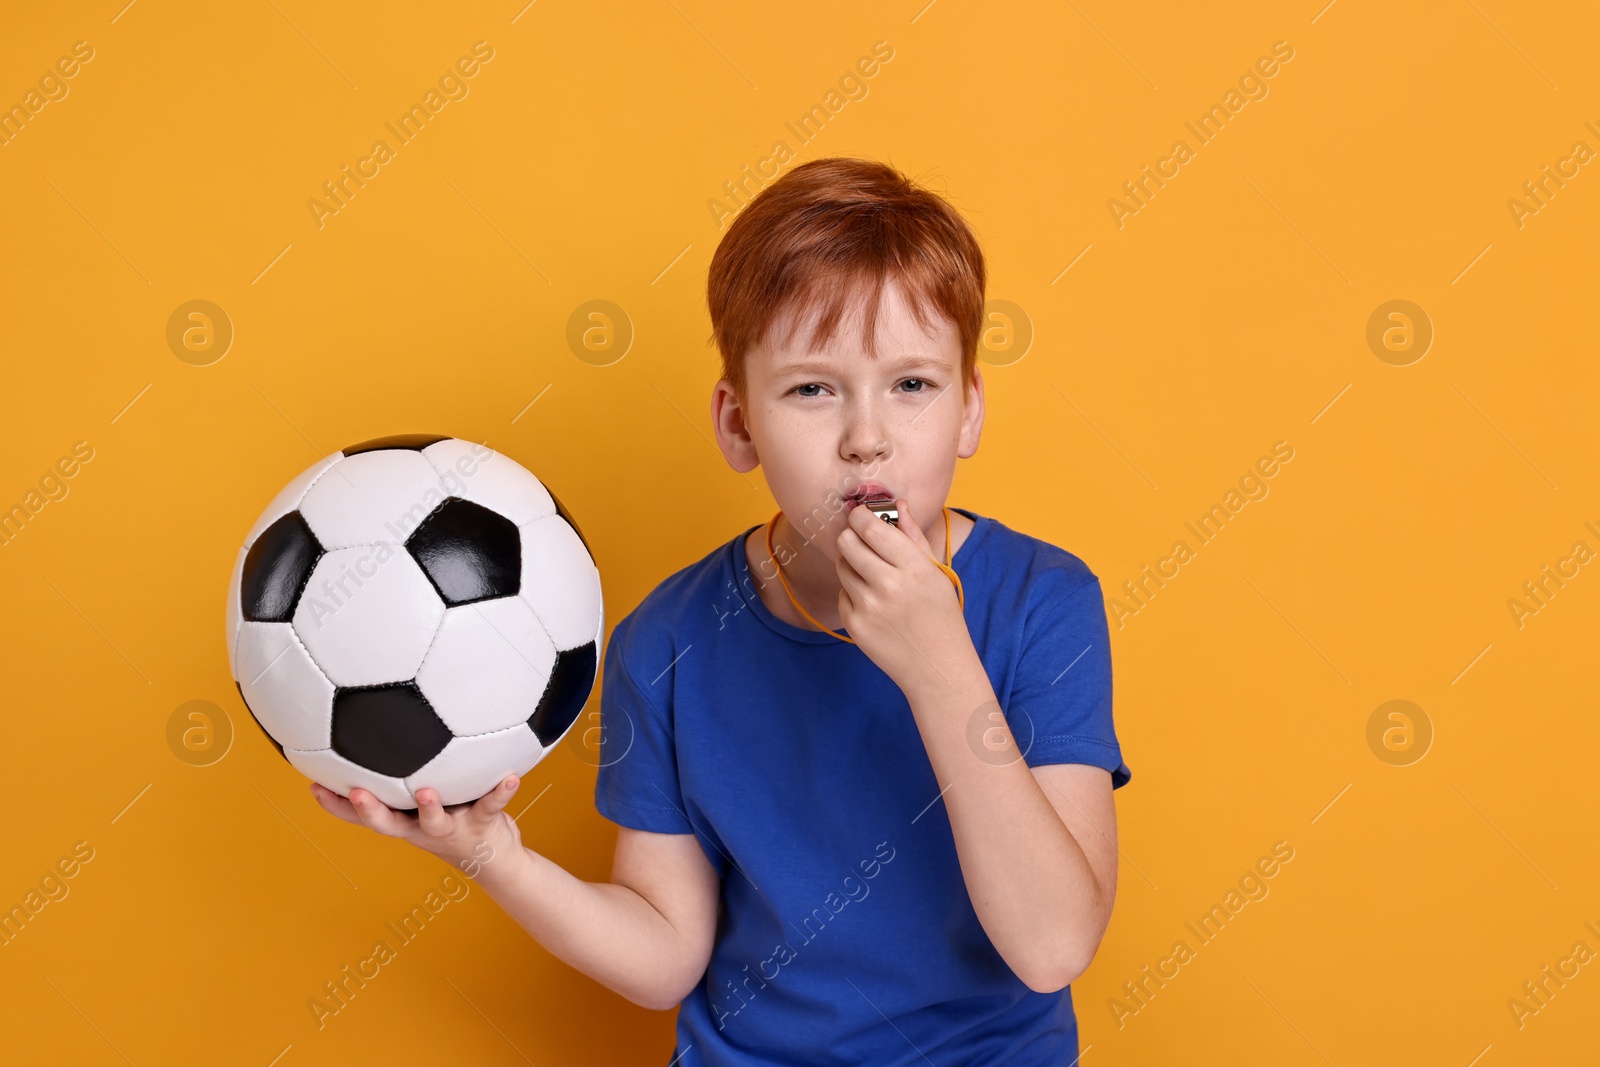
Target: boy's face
(828,422)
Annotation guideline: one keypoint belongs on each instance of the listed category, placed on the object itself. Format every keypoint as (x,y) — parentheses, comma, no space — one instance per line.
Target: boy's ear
(732,429)
(971,417)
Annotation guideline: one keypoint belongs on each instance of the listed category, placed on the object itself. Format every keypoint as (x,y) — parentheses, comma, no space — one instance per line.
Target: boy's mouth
(863,493)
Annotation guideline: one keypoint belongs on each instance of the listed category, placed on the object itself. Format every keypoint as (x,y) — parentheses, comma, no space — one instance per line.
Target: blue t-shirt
(846,935)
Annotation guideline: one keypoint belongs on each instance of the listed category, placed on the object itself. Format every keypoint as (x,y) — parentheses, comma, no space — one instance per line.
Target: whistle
(885,510)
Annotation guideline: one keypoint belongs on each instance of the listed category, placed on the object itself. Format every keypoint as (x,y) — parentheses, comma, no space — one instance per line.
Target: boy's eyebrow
(908,363)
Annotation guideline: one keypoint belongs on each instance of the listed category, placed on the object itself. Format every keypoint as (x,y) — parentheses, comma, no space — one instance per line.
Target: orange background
(1230,312)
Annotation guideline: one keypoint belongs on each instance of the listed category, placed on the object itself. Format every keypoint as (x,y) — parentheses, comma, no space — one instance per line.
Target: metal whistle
(885,510)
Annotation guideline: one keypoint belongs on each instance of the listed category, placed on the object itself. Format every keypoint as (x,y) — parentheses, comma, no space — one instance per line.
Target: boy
(866,809)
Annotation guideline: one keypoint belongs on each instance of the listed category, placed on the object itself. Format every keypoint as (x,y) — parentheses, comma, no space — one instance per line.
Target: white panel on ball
(559,581)
(372,497)
(460,771)
(488,666)
(376,626)
(327,767)
(497,482)
(291,697)
(289,498)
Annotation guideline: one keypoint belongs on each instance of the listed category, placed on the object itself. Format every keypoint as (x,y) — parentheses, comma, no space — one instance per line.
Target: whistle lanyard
(945,566)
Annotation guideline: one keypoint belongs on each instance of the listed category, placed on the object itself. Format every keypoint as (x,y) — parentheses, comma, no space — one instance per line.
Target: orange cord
(945,566)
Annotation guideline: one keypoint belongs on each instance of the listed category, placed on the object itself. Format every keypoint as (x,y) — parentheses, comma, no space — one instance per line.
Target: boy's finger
(334,804)
(851,582)
(431,814)
(495,800)
(885,545)
(862,550)
(377,815)
(908,525)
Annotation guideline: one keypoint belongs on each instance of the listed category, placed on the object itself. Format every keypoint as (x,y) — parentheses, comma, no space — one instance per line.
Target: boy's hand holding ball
(467,836)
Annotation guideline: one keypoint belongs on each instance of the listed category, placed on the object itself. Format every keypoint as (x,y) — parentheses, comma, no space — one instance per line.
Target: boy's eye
(919,382)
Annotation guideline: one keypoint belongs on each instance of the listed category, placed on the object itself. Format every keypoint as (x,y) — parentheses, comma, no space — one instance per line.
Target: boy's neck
(812,577)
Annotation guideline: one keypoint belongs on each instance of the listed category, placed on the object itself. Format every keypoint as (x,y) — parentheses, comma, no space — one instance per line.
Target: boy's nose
(865,449)
(864,439)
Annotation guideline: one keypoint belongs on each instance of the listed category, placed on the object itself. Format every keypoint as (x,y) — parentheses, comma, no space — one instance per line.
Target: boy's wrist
(959,669)
(495,864)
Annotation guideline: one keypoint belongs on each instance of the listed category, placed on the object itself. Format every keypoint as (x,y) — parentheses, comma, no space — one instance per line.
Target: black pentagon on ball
(389,729)
(277,568)
(570,521)
(264,733)
(565,694)
(468,552)
(414,442)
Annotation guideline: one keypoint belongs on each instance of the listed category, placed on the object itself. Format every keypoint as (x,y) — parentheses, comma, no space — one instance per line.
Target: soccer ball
(414,611)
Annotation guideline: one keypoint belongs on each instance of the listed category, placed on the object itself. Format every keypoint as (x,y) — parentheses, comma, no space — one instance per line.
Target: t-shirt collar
(739,568)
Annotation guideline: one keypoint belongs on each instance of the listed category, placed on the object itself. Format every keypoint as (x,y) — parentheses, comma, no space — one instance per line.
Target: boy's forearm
(1030,883)
(607,931)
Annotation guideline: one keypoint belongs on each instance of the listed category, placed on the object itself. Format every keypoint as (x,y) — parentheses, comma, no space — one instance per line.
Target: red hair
(829,233)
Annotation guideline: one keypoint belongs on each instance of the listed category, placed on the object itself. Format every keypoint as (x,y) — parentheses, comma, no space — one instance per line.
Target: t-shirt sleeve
(637,785)
(1060,708)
